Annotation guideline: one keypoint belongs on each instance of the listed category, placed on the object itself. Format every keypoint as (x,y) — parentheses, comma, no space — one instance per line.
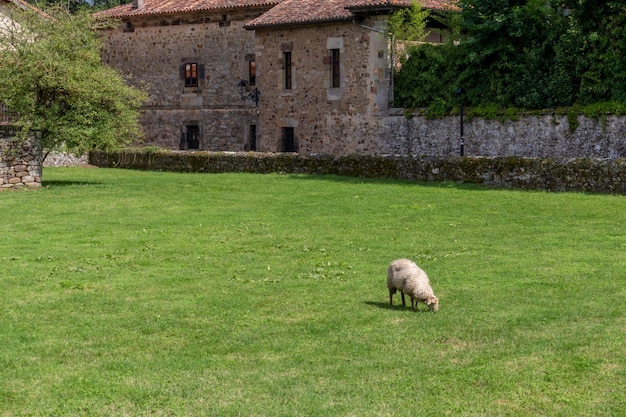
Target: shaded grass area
(144,293)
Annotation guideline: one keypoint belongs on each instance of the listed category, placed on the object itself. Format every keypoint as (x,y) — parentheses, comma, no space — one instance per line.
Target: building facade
(190,55)
(305,76)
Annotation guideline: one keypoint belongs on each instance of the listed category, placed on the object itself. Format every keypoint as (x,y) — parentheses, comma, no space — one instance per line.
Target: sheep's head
(433,303)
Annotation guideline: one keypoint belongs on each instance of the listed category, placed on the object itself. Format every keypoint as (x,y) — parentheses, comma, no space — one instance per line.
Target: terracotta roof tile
(303,11)
(294,12)
(158,7)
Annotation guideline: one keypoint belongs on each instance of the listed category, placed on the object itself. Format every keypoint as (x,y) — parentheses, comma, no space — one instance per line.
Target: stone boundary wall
(532,136)
(64,159)
(579,175)
(20,163)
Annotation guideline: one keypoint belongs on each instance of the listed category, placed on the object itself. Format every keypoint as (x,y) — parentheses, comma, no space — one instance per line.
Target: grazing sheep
(405,276)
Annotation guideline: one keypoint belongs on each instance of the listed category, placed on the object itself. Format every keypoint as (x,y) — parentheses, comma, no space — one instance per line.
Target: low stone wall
(586,175)
(64,159)
(20,163)
(528,136)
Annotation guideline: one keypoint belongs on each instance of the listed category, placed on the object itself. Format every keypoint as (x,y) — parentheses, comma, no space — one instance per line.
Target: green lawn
(130,293)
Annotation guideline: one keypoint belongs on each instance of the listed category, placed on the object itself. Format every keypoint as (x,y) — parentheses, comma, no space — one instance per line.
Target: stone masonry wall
(325,120)
(580,174)
(541,136)
(20,163)
(152,50)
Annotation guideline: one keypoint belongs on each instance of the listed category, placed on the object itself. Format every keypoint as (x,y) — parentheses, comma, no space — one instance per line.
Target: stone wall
(537,136)
(325,119)
(151,50)
(582,174)
(20,162)
(65,159)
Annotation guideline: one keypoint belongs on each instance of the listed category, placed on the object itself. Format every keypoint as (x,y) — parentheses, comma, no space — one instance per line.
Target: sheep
(405,276)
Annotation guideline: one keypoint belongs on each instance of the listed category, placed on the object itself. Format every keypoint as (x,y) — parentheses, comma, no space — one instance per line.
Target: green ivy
(524,55)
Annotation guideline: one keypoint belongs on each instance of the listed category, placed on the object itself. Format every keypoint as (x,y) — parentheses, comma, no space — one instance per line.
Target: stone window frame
(252,72)
(187,83)
(251,67)
(334,84)
(287,77)
(335,67)
(191,75)
(287,70)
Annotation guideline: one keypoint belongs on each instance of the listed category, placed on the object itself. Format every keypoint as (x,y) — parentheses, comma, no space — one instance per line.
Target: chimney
(137,4)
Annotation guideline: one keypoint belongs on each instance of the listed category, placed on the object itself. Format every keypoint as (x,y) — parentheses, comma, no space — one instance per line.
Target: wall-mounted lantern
(252,95)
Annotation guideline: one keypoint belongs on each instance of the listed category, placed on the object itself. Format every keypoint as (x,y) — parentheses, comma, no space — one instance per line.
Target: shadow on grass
(465,186)
(69,183)
(387,306)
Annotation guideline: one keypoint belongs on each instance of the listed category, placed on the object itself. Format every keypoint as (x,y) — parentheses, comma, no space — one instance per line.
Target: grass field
(131,293)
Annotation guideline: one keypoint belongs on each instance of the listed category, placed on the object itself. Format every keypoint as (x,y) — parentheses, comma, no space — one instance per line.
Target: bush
(530,55)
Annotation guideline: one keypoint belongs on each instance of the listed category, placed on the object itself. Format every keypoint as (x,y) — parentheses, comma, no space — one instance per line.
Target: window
(252,72)
(287,68)
(335,81)
(289,140)
(191,75)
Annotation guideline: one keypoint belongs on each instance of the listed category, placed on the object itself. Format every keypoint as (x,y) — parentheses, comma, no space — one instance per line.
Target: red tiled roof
(158,7)
(294,12)
(303,11)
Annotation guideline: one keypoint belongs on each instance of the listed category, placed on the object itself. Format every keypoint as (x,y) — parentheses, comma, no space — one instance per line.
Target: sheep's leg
(403,303)
(413,304)
(391,297)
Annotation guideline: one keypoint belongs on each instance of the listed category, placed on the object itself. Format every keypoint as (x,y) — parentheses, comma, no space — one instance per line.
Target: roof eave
(127,14)
(298,24)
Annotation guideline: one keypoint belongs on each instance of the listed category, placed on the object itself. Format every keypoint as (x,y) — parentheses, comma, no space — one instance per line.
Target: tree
(602,35)
(75,5)
(405,27)
(409,24)
(53,80)
(530,54)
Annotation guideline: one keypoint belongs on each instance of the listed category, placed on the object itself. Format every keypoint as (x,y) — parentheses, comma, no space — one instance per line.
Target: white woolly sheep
(405,276)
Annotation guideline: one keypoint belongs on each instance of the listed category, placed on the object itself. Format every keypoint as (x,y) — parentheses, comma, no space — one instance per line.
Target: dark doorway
(253,138)
(193,137)
(289,140)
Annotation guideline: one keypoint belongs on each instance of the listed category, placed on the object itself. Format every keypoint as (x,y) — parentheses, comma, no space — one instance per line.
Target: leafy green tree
(509,48)
(75,5)
(528,54)
(428,77)
(52,78)
(405,27)
(602,32)
(409,24)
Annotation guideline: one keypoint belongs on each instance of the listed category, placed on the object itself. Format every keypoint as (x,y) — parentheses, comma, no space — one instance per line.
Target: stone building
(326,74)
(191,55)
(266,75)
